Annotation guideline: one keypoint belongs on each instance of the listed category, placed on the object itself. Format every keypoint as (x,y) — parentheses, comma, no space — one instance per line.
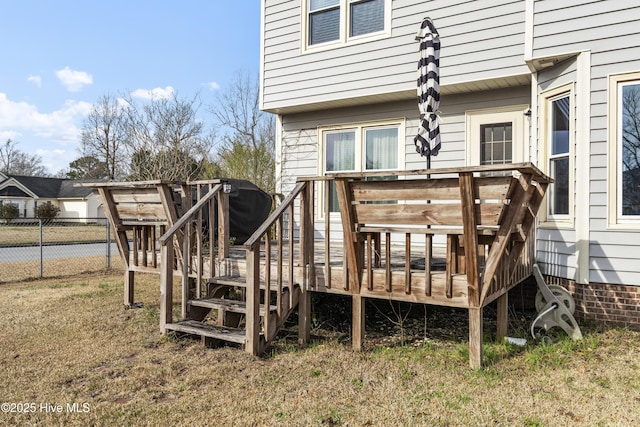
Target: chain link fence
(32,248)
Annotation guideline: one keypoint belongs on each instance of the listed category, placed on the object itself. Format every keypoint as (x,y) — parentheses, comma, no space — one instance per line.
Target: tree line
(123,139)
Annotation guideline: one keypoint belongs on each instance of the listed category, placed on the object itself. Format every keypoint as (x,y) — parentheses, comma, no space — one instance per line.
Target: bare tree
(166,139)
(103,137)
(631,150)
(16,162)
(248,141)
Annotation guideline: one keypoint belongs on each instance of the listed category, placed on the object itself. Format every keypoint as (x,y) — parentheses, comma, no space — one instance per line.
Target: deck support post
(304,317)
(357,322)
(502,316)
(129,276)
(475,337)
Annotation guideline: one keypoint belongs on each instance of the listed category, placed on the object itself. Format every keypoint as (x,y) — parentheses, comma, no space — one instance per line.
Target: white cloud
(157,93)
(8,134)
(212,85)
(73,80)
(37,80)
(54,136)
(57,159)
(59,126)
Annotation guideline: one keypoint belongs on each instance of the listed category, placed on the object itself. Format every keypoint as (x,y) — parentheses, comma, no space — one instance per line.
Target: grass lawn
(23,234)
(69,341)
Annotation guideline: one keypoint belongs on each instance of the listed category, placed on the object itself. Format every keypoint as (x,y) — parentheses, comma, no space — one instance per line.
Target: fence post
(41,256)
(108,246)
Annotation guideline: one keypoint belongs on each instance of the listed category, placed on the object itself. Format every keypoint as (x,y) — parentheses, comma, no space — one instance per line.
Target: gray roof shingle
(52,188)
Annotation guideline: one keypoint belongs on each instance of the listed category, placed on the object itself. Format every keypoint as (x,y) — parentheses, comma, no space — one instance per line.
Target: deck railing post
(186,258)
(470,238)
(166,284)
(199,249)
(224,234)
(253,301)
(306,261)
(327,235)
(353,251)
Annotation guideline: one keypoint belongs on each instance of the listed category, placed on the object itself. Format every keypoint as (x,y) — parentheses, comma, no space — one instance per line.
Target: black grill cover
(249,207)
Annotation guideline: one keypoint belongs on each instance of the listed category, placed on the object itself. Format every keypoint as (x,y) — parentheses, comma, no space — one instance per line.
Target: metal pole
(41,256)
(108,246)
(429,164)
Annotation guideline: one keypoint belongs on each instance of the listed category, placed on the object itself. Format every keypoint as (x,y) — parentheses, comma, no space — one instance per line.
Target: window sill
(557,224)
(624,226)
(341,43)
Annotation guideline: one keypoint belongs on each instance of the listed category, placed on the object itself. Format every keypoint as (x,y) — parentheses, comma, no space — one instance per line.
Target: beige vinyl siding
(567,26)
(481,39)
(299,146)
(610,30)
(555,246)
(299,135)
(556,252)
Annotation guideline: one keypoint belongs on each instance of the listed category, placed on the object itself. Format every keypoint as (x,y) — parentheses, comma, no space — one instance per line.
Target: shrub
(8,212)
(47,211)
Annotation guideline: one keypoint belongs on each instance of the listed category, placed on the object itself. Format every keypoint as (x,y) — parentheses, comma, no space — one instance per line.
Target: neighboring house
(29,192)
(556,83)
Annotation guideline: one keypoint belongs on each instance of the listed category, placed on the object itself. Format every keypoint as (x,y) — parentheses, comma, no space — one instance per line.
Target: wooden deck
(460,238)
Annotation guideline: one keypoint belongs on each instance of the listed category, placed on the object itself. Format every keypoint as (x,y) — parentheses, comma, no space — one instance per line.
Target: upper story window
(624,149)
(339,21)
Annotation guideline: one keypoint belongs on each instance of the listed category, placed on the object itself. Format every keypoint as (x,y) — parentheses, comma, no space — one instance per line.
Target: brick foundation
(611,305)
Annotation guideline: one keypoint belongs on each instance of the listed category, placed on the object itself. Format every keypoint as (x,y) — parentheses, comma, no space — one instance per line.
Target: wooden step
(223,333)
(231,305)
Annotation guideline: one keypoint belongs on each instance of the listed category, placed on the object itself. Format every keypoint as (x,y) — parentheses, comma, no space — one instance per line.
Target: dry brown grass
(30,234)
(71,341)
(53,268)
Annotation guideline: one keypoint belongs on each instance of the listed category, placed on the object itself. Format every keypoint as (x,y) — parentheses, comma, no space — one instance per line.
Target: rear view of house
(552,83)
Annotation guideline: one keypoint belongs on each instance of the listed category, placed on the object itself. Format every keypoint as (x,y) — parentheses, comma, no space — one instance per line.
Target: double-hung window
(360,148)
(338,21)
(558,117)
(624,149)
(559,139)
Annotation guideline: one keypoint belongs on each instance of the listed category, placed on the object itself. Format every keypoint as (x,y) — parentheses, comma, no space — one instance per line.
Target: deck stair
(265,279)
(229,313)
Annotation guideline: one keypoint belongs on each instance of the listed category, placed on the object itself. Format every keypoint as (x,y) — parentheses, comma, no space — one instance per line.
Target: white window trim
(615,219)
(359,128)
(546,219)
(344,38)
(514,114)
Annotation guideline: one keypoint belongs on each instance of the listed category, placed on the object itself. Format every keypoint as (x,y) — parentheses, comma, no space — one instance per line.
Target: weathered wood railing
(138,212)
(261,279)
(484,215)
(191,246)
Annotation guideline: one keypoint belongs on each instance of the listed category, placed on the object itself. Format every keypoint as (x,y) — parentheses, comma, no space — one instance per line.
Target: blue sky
(57,57)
